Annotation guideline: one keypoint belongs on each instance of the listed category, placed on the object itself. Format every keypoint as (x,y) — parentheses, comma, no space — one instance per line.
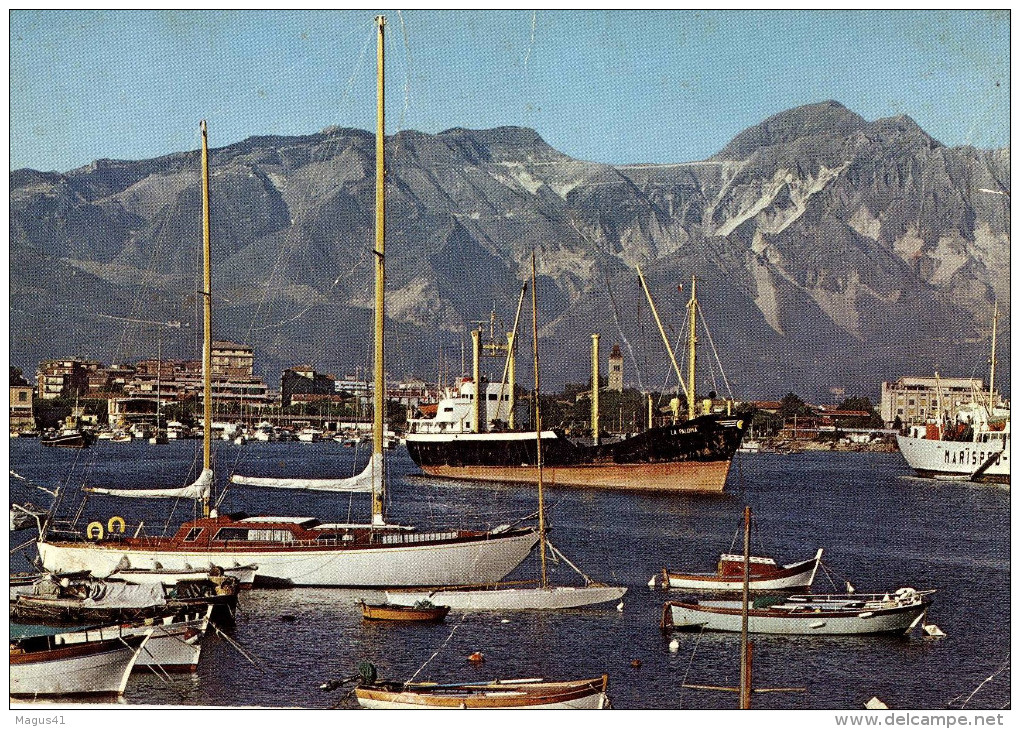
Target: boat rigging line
(715,352)
(981,685)
(438,650)
(235,645)
(683,682)
(407,73)
(531,43)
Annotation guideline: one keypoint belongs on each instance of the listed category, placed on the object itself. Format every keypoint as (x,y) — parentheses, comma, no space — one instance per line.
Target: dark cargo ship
(689,455)
(693,455)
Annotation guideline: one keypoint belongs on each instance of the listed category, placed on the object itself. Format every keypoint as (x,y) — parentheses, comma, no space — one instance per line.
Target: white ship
(974,447)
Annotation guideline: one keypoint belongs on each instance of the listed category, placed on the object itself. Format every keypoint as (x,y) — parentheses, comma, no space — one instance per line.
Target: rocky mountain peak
(830,252)
(827,118)
(902,129)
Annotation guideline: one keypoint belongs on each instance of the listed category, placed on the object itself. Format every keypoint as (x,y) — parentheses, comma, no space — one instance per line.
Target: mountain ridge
(858,248)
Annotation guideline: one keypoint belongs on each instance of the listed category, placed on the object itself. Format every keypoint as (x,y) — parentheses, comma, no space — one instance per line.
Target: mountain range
(830,253)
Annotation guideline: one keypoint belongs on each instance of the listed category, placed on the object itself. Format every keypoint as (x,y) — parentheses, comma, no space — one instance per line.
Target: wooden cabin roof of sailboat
(240,532)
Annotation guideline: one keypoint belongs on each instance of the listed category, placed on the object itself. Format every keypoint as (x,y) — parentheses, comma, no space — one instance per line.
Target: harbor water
(881,528)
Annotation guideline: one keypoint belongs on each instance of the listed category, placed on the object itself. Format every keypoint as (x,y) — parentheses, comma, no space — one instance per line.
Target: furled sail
(200,489)
(360,483)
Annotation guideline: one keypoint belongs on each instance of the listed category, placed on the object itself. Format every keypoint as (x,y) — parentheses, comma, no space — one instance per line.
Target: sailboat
(686,455)
(975,447)
(294,550)
(518,597)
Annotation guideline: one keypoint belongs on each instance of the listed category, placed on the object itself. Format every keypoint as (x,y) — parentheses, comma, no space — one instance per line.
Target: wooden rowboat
(421,612)
(40,667)
(765,576)
(521,693)
(850,614)
(175,643)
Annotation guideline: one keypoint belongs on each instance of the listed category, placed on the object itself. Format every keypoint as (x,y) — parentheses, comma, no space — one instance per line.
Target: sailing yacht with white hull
(300,550)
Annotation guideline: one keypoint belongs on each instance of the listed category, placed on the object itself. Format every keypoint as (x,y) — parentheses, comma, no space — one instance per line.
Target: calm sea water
(880,528)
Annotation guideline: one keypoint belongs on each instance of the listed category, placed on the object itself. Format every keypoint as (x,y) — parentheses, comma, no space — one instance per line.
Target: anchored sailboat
(518,597)
(302,550)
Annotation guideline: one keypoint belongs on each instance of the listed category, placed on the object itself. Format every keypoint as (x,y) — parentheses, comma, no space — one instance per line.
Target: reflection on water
(878,528)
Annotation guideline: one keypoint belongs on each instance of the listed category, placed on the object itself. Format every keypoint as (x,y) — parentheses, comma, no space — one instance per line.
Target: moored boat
(302,551)
(65,600)
(245,575)
(693,455)
(175,643)
(849,614)
(505,596)
(466,439)
(974,447)
(765,575)
(40,667)
(972,444)
(69,436)
(521,693)
(422,611)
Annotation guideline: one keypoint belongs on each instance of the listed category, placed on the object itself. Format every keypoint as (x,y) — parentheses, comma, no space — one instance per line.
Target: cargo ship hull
(690,456)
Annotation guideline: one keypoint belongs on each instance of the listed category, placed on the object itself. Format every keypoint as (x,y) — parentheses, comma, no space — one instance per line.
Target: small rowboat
(141,576)
(40,667)
(850,614)
(764,575)
(421,612)
(506,596)
(175,643)
(520,693)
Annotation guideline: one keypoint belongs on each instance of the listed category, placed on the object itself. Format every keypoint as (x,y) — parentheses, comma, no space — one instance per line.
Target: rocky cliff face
(830,252)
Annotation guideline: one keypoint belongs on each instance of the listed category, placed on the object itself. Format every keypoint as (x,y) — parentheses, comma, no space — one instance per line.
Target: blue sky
(608,86)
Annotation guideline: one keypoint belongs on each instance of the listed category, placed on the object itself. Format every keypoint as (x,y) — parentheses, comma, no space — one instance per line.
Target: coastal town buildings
(915,399)
(63,377)
(21,415)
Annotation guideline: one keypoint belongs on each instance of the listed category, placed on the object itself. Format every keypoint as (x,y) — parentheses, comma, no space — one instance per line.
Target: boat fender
(118,522)
(477,657)
(819,624)
(94,530)
(674,645)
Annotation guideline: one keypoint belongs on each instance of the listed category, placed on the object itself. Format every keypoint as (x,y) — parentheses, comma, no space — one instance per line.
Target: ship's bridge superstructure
(455,409)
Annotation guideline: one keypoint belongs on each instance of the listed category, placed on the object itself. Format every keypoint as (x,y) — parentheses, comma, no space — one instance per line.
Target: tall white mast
(538,425)
(991,376)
